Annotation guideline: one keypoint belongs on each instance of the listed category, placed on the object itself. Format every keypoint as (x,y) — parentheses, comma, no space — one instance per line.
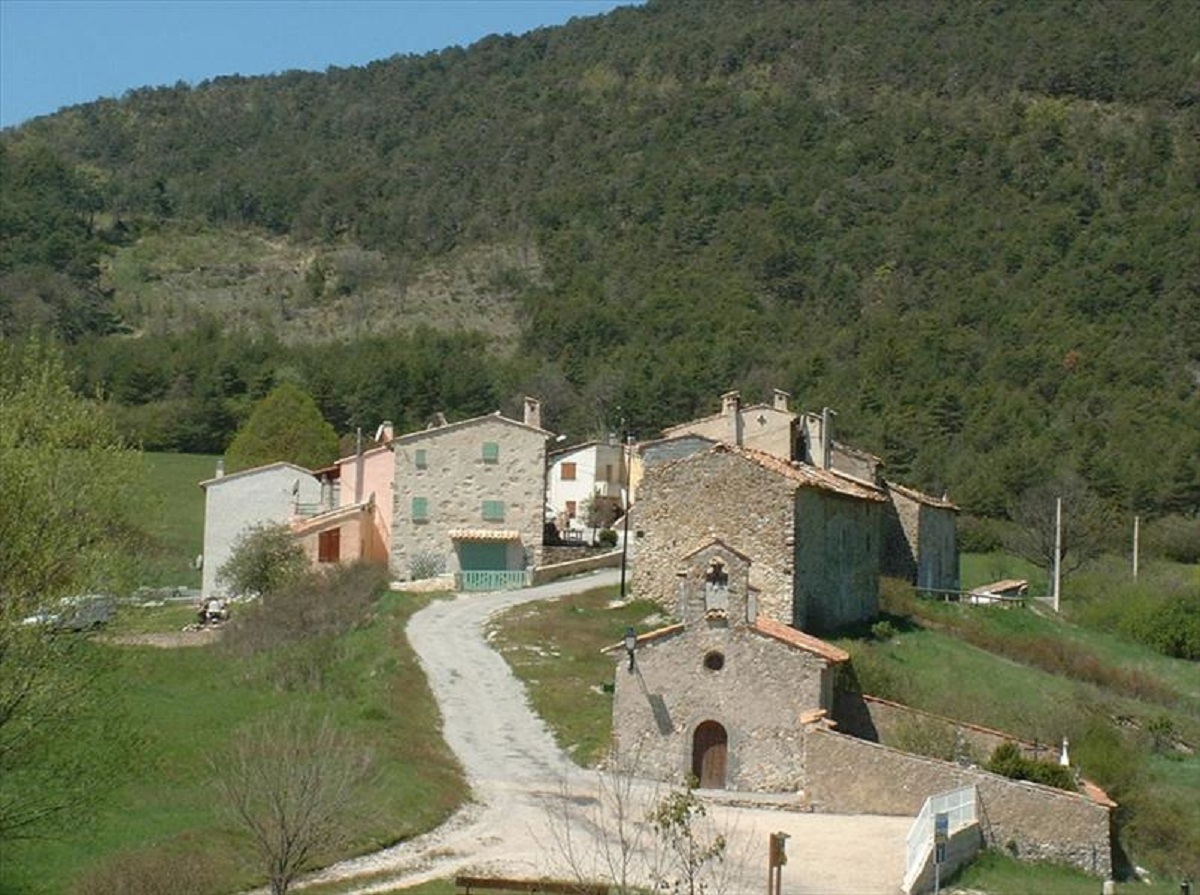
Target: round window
(714,661)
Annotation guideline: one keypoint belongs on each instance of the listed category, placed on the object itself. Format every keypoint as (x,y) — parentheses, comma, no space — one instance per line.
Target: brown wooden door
(710,746)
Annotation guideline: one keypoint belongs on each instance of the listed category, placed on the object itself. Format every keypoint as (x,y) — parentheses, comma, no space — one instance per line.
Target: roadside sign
(941,828)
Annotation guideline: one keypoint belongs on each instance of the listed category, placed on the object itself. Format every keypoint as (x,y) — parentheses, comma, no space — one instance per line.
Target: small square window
(420,458)
(420,509)
(491,452)
(568,472)
(493,511)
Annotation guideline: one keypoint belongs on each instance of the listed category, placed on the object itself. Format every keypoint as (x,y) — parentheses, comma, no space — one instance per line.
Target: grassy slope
(174,504)
(187,703)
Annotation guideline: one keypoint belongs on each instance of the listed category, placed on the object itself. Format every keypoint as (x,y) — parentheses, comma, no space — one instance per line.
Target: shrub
(150,872)
(883,630)
(1176,538)
(979,535)
(1010,761)
(426,564)
(265,558)
(607,538)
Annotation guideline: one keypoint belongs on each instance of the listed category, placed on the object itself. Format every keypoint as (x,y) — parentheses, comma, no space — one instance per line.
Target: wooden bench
(469,884)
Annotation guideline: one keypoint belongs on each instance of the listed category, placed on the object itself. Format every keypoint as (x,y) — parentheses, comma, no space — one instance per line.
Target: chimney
(780,400)
(731,406)
(385,433)
(533,412)
(220,468)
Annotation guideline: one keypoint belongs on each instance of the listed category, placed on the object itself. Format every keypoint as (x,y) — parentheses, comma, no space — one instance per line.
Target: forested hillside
(971,228)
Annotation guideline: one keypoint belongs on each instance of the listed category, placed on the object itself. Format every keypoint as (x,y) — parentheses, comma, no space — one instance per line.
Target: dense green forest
(972,228)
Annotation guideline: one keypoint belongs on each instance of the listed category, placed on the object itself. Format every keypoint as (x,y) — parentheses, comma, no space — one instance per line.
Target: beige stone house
(469,498)
(919,530)
(720,695)
(812,537)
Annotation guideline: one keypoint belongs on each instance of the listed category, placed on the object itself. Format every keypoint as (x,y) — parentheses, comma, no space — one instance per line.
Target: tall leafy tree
(288,426)
(68,527)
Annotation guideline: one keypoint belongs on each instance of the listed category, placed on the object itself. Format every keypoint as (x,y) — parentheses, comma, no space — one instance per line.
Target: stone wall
(757,695)
(837,544)
(846,775)
(716,494)
(592,560)
(455,481)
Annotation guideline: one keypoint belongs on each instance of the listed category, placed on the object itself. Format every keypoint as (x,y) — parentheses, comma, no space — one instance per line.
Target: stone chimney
(731,407)
(385,433)
(533,412)
(220,468)
(780,400)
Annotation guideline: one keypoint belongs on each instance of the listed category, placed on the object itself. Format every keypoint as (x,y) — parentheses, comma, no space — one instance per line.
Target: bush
(426,564)
(1010,761)
(264,559)
(607,538)
(150,872)
(1176,538)
(315,605)
(979,535)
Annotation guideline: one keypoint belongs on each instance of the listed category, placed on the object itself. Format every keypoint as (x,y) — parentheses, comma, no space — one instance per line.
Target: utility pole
(1136,525)
(1057,551)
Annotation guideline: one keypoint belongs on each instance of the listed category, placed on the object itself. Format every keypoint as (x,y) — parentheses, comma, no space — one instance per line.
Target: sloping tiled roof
(922,497)
(785,633)
(742,408)
(462,424)
(330,517)
(648,637)
(807,476)
(246,473)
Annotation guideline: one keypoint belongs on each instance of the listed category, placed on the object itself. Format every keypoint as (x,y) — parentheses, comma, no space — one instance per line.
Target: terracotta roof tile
(770,628)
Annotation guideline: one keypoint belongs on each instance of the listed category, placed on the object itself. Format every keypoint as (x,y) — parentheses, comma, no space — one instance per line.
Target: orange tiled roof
(768,627)
(807,476)
(921,496)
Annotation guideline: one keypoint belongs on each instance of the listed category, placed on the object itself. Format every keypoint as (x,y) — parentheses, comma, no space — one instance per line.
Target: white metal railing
(490,579)
(961,807)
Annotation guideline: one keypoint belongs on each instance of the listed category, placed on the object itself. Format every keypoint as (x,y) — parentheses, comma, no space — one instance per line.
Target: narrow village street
(536,814)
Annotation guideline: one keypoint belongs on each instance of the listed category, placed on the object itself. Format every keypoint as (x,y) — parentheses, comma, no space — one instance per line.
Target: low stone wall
(893,724)
(845,775)
(546,574)
(961,849)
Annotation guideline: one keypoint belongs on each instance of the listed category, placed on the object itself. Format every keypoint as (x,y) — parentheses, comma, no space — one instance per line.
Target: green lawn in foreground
(186,703)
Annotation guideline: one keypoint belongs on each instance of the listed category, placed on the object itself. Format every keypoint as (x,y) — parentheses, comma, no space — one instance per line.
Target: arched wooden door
(710,746)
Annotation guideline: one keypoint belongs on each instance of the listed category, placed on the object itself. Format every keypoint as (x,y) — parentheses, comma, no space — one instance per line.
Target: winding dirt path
(529,799)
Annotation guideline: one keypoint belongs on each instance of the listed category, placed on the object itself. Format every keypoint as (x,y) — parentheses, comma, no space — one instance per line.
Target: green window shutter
(420,509)
(420,458)
(491,452)
(493,511)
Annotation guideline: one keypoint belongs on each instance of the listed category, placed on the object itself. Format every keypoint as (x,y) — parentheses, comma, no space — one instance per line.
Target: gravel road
(528,796)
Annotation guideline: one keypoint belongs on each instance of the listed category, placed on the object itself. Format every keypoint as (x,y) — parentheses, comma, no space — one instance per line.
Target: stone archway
(710,751)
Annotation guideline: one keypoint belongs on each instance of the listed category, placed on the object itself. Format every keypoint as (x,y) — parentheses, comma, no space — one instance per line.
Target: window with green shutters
(491,452)
(493,511)
(420,458)
(420,509)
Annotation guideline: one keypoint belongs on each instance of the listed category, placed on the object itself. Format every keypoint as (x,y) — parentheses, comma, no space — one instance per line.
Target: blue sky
(56,53)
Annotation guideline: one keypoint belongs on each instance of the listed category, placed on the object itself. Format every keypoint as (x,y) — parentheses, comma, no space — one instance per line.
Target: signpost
(941,835)
(776,858)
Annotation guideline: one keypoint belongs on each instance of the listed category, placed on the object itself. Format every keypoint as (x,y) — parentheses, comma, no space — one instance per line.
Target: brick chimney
(533,412)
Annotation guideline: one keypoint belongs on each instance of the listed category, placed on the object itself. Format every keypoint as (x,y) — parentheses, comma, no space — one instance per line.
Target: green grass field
(174,506)
(185,705)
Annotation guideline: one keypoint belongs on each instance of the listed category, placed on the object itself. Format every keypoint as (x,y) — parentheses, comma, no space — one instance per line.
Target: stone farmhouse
(812,537)
(469,499)
(918,530)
